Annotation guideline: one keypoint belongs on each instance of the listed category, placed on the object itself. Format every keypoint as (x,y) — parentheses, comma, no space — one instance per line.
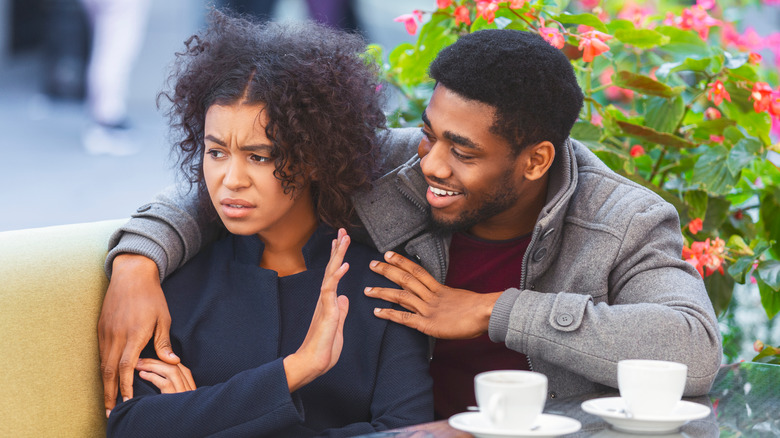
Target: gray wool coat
(602,279)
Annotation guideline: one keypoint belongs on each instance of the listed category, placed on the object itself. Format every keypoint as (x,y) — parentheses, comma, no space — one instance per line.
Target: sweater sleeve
(657,308)
(169,230)
(256,402)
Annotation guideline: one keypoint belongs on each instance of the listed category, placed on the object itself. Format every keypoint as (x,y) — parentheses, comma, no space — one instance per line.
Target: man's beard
(498,202)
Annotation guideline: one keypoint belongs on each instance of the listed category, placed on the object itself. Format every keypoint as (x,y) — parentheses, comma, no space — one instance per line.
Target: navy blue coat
(233,323)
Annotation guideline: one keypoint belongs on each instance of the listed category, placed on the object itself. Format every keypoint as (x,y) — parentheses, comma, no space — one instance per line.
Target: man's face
(475,181)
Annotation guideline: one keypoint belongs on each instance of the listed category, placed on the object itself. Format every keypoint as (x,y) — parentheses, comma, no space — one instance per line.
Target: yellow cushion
(51,290)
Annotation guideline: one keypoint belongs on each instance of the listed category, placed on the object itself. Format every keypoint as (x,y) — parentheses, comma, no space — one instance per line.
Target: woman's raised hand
(322,347)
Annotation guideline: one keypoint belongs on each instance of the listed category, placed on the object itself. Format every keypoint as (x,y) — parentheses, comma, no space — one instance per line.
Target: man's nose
(434,162)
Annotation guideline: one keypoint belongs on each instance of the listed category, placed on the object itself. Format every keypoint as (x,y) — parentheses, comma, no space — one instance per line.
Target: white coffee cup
(651,388)
(511,399)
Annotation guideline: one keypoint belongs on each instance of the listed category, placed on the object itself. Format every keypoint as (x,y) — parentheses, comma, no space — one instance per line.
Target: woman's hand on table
(322,346)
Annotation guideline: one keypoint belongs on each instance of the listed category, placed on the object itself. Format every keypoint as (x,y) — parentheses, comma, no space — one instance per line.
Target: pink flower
(717,92)
(774,104)
(552,35)
(635,13)
(717,138)
(695,226)
(589,4)
(706,257)
(754,58)
(761,94)
(592,44)
(758,346)
(487,10)
(695,18)
(636,151)
(750,40)
(517,4)
(462,15)
(443,4)
(771,2)
(705,4)
(712,113)
(596,119)
(410,21)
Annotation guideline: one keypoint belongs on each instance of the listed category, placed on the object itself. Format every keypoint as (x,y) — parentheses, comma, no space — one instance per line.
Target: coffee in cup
(651,388)
(511,399)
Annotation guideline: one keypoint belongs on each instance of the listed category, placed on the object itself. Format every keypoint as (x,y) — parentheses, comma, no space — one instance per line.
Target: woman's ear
(538,160)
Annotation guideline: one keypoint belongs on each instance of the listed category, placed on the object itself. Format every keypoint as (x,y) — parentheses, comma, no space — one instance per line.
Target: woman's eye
(259,158)
(215,153)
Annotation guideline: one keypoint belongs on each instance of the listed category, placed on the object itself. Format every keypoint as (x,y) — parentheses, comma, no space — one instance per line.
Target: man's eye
(460,156)
(427,135)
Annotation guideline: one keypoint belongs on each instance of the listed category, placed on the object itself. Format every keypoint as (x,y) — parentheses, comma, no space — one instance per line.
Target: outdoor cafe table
(744,402)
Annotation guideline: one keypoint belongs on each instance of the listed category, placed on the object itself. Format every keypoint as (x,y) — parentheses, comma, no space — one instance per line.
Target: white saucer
(612,410)
(547,426)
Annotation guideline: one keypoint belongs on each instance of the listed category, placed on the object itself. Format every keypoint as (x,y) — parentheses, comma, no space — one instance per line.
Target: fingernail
(172,355)
(377,310)
(389,255)
(367,290)
(124,399)
(373,263)
(108,412)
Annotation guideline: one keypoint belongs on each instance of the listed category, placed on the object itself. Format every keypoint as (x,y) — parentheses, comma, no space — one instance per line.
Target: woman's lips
(236,208)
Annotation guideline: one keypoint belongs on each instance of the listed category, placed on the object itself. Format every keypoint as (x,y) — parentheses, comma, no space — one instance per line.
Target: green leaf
(641,38)
(706,128)
(586,19)
(741,268)
(717,212)
(585,131)
(768,214)
(742,154)
(697,202)
(653,136)
(712,173)
(769,273)
(686,43)
(719,288)
(770,299)
(644,84)
(692,64)
(619,24)
(664,115)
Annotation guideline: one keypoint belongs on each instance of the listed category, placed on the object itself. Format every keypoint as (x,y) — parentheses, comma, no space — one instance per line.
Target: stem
(657,165)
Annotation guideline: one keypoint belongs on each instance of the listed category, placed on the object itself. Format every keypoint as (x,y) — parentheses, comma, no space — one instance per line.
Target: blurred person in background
(118,28)
(334,13)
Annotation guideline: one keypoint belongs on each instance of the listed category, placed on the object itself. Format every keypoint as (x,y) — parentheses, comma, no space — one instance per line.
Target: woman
(277,126)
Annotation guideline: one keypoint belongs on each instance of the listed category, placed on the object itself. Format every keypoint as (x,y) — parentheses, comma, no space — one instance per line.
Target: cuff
(499,319)
(135,244)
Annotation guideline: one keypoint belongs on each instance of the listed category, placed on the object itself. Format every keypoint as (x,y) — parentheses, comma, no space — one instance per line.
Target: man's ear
(538,158)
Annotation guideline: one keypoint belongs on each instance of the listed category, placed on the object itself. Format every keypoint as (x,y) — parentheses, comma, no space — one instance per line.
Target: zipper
(524,271)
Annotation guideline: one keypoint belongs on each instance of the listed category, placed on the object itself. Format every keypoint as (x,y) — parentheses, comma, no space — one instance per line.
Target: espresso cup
(651,388)
(511,399)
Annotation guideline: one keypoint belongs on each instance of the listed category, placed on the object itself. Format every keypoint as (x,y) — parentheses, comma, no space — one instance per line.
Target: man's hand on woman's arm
(134,308)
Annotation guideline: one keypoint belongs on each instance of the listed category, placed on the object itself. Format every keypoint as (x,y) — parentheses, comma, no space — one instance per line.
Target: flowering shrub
(680,102)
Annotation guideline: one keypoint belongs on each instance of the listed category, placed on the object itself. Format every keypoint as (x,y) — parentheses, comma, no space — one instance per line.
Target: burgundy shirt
(480,266)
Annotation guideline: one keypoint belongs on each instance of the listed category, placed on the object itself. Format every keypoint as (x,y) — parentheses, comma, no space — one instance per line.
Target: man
(532,253)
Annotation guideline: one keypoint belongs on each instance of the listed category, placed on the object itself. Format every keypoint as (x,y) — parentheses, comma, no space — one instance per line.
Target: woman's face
(239,174)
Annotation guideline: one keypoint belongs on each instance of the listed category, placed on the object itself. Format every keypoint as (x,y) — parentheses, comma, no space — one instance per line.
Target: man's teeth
(440,192)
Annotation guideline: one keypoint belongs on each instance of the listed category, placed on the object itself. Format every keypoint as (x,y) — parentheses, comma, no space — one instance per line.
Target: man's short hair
(530,83)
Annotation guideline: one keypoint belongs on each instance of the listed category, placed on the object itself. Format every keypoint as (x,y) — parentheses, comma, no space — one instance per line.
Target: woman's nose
(235,175)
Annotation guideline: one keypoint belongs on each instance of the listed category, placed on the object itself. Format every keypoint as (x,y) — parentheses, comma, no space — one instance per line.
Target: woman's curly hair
(320,95)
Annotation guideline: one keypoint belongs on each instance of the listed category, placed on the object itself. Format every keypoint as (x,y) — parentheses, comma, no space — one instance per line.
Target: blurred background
(68,156)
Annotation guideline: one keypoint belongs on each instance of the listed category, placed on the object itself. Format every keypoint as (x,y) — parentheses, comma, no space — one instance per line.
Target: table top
(744,401)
